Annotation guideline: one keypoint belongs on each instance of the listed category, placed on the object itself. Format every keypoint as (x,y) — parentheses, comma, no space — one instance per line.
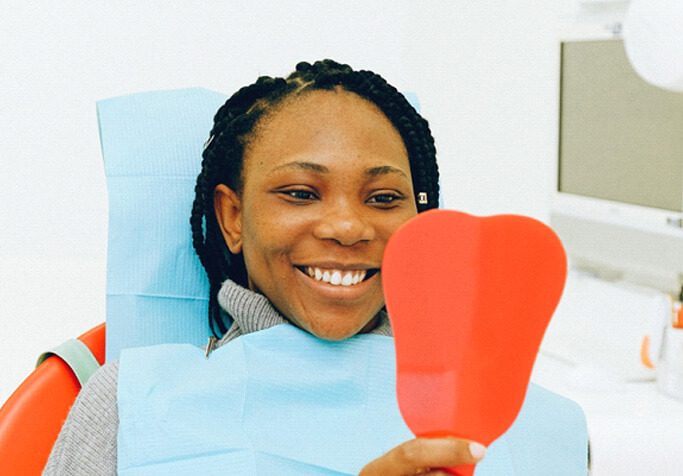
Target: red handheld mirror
(469,300)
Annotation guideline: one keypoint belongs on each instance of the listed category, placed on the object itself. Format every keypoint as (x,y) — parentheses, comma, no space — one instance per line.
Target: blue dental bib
(281,401)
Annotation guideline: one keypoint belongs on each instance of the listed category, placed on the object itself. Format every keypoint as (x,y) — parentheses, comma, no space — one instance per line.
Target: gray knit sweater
(87,444)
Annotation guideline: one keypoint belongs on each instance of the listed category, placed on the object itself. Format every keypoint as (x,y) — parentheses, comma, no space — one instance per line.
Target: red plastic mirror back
(469,300)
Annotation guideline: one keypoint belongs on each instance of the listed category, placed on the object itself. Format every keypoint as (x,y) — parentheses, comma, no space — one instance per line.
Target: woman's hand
(420,455)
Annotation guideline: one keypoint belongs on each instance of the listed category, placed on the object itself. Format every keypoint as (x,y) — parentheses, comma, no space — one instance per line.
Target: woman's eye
(303,195)
(385,198)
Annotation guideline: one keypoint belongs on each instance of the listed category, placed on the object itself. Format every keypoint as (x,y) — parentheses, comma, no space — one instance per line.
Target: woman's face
(326,181)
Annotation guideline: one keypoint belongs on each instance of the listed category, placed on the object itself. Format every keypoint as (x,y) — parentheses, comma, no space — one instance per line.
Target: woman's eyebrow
(383,170)
(297,165)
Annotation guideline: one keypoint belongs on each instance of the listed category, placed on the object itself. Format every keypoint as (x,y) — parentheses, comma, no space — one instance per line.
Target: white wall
(485,71)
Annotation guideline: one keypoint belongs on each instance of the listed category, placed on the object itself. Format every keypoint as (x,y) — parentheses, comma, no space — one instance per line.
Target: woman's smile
(335,276)
(338,283)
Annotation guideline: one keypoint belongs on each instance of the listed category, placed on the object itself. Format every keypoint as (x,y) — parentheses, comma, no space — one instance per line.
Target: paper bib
(281,401)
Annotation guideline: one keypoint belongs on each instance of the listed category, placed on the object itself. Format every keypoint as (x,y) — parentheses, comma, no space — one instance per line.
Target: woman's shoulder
(98,393)
(97,399)
(87,442)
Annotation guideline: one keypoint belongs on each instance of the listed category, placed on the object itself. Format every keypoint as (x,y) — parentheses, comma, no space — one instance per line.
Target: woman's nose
(345,224)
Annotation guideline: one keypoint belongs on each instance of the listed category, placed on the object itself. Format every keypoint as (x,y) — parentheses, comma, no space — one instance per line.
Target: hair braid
(234,124)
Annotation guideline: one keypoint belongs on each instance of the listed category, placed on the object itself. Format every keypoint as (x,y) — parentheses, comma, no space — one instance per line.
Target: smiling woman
(338,149)
(304,179)
(326,181)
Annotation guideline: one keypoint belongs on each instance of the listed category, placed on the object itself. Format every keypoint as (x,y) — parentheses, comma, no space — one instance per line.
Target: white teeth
(336,277)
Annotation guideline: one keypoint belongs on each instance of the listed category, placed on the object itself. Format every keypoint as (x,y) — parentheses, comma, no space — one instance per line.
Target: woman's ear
(228,207)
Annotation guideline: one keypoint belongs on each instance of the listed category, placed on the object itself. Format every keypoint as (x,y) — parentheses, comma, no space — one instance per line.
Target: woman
(304,180)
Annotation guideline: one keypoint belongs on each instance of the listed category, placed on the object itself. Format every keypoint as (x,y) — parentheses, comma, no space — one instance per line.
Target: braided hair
(234,126)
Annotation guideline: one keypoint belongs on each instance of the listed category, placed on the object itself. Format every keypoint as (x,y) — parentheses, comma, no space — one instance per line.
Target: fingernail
(477,450)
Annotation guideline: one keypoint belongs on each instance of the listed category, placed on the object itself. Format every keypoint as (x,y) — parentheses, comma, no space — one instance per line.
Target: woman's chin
(336,332)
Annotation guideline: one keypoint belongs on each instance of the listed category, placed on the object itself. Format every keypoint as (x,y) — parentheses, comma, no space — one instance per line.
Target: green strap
(77,355)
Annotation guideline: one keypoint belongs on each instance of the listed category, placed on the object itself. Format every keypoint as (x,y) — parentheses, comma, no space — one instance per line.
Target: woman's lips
(337,277)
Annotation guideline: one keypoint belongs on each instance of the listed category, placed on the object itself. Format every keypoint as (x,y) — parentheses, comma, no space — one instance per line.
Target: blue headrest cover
(157,290)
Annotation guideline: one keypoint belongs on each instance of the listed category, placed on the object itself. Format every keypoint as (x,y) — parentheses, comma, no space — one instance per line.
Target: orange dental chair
(32,417)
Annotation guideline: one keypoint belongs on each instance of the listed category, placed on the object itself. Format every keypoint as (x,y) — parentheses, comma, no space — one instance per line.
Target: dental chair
(32,417)
(156,287)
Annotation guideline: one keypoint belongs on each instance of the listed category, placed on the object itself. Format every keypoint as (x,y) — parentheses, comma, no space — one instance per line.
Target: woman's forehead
(323,123)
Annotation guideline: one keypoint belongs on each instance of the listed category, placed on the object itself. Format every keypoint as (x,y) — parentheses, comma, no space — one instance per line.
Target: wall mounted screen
(621,139)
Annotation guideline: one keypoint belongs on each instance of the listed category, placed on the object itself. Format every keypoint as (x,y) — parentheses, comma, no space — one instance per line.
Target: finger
(425,453)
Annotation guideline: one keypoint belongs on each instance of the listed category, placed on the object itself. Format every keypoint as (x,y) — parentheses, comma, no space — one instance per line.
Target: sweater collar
(253,312)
